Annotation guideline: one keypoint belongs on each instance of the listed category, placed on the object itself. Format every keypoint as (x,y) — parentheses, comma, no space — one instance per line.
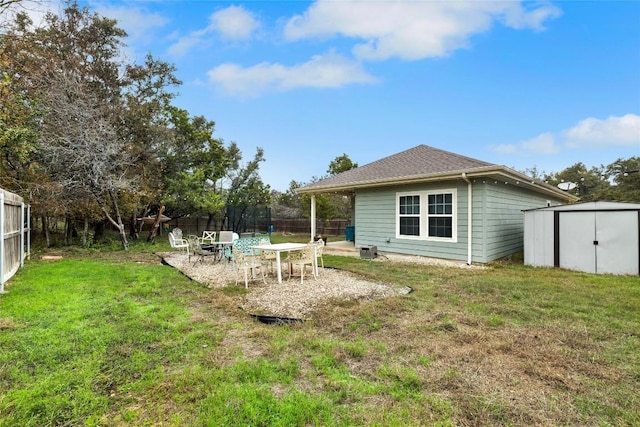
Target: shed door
(600,242)
(617,251)
(576,234)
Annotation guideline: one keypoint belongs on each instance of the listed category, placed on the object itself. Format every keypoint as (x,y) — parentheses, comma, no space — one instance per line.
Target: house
(595,237)
(430,202)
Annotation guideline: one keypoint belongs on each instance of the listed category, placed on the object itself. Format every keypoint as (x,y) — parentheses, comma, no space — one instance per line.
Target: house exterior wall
(375,222)
(498,220)
(502,230)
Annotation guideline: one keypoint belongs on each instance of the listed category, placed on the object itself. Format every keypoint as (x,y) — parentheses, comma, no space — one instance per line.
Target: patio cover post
(313,216)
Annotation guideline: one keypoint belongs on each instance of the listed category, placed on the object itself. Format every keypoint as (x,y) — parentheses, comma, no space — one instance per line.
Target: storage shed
(595,237)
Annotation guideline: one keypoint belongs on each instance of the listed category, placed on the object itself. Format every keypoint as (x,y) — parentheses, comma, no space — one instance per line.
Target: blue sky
(523,84)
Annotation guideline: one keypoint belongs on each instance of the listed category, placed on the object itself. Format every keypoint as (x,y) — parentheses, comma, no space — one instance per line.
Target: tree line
(618,181)
(85,134)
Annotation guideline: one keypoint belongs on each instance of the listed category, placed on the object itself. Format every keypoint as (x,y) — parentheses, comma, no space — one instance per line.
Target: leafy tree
(328,206)
(625,175)
(590,184)
(80,92)
(619,181)
(341,164)
(246,188)
(18,131)
(194,165)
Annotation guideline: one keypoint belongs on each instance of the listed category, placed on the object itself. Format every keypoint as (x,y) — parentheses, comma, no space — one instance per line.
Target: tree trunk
(154,229)
(140,226)
(117,222)
(133,230)
(45,230)
(85,231)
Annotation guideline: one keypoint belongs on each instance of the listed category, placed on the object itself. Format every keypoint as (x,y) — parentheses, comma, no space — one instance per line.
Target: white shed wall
(538,238)
(594,237)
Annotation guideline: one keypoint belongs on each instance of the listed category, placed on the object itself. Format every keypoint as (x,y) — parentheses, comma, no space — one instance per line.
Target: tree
(102,121)
(246,188)
(590,184)
(328,206)
(194,164)
(99,135)
(341,164)
(625,175)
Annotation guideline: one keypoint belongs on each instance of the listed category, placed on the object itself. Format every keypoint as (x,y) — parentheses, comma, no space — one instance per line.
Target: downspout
(313,217)
(469,218)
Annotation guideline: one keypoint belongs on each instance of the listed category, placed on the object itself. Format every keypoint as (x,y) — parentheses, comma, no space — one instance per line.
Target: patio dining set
(250,254)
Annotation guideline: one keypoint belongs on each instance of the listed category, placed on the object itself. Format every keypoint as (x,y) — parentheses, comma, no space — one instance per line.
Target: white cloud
(412,30)
(138,23)
(233,23)
(542,144)
(622,131)
(613,131)
(330,70)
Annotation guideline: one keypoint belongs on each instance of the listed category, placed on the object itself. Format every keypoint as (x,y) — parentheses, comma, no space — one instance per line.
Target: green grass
(106,337)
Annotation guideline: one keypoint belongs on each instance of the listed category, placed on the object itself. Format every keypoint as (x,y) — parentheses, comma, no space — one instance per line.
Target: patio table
(279,248)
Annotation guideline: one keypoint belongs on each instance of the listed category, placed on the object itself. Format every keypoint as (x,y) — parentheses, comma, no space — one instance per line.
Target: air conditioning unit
(368,252)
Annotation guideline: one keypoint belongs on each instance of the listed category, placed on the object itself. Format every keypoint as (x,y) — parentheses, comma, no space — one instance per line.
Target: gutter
(469,218)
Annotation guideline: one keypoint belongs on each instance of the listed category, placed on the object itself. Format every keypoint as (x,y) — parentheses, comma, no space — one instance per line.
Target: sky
(527,85)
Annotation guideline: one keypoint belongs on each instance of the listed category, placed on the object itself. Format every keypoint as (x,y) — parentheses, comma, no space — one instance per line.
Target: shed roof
(600,205)
(424,164)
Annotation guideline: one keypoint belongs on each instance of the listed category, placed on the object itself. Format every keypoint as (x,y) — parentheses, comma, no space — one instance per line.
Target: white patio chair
(208,236)
(267,258)
(319,245)
(177,232)
(302,258)
(178,243)
(248,265)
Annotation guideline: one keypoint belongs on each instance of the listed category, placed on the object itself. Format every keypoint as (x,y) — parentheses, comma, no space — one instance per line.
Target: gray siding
(502,229)
(375,222)
(498,220)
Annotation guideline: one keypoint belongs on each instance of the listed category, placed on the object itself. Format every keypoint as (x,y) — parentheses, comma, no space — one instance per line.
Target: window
(409,218)
(427,215)
(440,215)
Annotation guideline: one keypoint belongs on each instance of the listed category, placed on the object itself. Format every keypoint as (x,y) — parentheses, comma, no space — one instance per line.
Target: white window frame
(424,215)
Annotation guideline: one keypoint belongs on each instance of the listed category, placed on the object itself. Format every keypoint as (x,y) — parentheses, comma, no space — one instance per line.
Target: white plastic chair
(178,243)
(319,245)
(247,264)
(303,258)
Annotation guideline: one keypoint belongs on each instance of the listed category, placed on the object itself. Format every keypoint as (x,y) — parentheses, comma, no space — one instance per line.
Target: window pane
(409,205)
(410,226)
(440,227)
(440,204)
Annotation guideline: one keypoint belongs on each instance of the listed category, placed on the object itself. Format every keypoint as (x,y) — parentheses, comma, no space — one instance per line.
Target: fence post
(28,232)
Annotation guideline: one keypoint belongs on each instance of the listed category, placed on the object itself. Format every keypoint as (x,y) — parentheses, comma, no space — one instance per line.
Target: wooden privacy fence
(15,235)
(334,227)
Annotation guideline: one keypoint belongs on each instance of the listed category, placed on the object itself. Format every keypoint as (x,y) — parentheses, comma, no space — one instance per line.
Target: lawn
(107,337)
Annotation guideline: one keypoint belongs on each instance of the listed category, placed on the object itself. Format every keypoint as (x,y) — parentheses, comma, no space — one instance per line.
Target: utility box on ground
(368,252)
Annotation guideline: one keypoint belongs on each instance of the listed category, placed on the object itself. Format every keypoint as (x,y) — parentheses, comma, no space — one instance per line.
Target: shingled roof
(422,164)
(422,160)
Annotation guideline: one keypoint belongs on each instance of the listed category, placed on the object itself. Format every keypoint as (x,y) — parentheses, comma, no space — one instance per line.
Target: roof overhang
(500,174)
